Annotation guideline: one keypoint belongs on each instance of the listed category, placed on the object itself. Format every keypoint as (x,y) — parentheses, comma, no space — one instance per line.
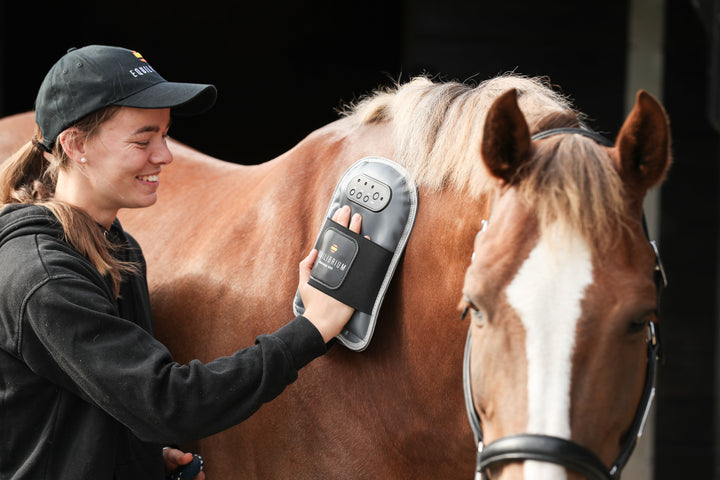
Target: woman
(86,392)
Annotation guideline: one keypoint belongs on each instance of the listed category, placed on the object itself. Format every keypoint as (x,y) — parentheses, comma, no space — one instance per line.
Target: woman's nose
(162,155)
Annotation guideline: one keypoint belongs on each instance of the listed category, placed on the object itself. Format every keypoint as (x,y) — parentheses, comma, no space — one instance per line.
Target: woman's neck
(73,191)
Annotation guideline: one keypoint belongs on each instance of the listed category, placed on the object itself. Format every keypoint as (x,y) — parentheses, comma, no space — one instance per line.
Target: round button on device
(378,193)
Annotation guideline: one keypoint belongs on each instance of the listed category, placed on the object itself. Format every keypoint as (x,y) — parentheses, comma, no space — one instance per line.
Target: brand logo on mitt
(329,261)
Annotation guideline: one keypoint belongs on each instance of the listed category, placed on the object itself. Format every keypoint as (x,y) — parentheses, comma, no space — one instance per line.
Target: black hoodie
(86,391)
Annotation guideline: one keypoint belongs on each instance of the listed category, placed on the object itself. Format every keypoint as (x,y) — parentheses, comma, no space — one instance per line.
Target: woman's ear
(73,144)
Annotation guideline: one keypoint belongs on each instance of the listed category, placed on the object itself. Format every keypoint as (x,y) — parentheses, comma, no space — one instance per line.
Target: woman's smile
(151,179)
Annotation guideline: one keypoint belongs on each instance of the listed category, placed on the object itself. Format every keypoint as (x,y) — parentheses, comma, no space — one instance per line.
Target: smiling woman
(95,105)
(77,351)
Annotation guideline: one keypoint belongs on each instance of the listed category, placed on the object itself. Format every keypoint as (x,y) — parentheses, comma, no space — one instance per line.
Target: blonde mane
(438,127)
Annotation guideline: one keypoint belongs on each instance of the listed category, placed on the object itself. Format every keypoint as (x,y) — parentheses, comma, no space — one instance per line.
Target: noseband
(561,451)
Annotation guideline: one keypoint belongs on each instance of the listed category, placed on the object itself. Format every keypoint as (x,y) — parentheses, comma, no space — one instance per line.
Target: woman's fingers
(342,216)
(355,223)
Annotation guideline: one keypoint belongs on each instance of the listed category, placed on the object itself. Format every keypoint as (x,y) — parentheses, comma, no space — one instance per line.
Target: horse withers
(223,245)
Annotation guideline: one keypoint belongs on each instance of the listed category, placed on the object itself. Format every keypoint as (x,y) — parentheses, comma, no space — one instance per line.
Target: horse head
(561,294)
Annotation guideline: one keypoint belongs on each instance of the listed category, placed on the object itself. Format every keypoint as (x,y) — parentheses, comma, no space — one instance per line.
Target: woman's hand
(327,314)
(175,458)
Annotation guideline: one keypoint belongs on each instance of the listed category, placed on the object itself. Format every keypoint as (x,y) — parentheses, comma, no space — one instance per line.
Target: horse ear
(643,143)
(506,137)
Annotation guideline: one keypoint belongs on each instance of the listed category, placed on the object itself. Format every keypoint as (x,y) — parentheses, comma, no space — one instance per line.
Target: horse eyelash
(465,306)
(468,306)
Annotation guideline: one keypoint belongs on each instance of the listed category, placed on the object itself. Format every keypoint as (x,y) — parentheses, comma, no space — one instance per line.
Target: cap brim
(182,98)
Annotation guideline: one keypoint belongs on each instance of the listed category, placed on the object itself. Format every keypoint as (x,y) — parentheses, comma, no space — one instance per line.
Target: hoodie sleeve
(72,337)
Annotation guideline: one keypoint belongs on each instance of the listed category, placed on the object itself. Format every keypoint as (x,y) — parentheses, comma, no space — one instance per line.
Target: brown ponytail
(30,177)
(21,176)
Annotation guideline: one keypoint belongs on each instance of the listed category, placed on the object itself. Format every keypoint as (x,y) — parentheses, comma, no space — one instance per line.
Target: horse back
(15,131)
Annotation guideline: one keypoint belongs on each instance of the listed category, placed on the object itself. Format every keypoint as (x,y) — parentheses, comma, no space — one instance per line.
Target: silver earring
(83,160)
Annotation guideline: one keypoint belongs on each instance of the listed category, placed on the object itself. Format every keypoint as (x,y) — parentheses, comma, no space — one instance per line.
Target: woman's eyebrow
(148,128)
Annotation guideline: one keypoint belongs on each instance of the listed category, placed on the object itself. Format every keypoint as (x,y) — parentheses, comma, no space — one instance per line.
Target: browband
(580,131)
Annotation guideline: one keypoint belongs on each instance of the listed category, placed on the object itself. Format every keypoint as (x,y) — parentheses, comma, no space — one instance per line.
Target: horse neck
(428,284)
(433,269)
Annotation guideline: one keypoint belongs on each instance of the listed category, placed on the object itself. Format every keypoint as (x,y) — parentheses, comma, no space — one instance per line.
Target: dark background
(283,68)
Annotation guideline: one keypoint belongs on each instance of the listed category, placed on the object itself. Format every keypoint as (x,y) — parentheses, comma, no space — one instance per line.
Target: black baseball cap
(88,79)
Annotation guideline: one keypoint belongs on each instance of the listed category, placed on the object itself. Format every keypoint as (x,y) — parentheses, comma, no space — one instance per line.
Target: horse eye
(477,315)
(639,324)
(465,306)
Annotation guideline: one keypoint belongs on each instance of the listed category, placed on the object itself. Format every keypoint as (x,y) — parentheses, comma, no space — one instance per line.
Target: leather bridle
(561,451)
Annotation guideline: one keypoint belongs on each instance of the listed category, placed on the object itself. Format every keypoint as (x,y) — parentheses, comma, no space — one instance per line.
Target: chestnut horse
(224,241)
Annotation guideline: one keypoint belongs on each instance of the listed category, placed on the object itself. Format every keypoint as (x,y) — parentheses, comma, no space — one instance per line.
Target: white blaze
(546,294)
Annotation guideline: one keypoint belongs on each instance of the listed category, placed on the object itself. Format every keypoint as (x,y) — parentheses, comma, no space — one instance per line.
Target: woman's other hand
(175,458)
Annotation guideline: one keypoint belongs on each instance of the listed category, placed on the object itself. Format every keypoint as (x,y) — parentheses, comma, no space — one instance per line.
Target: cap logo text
(142,70)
